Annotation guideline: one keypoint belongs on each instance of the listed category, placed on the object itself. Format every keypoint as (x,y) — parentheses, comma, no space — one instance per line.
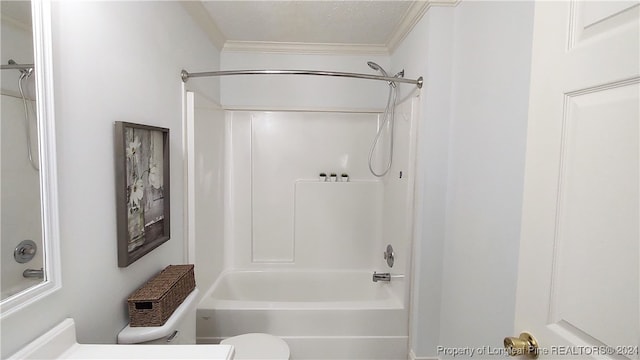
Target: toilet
(260,346)
(180,328)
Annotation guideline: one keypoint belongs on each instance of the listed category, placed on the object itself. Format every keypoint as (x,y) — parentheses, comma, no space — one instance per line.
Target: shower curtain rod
(16,66)
(187,75)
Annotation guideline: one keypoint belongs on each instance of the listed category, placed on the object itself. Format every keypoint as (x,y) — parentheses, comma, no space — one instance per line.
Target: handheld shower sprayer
(25,73)
(379,68)
(387,120)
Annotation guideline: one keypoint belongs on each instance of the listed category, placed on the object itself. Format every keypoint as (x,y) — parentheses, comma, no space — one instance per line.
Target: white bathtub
(320,314)
(21,285)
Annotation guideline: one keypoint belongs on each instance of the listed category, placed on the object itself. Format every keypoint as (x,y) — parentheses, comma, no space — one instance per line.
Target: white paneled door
(579,276)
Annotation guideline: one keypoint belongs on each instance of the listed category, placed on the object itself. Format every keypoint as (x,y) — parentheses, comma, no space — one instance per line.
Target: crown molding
(303,109)
(304,48)
(413,15)
(201,17)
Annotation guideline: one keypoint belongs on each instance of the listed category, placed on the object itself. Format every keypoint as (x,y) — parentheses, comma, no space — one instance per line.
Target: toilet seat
(258,346)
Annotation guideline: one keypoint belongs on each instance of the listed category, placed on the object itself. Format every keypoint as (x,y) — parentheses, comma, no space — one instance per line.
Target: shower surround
(299,252)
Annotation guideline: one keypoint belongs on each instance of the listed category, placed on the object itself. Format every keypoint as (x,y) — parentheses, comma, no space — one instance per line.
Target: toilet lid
(257,346)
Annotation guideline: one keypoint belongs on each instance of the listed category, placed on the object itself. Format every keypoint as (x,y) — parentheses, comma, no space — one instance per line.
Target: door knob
(525,345)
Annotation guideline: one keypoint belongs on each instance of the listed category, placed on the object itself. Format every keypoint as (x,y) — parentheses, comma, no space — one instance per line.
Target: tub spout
(33,273)
(381,277)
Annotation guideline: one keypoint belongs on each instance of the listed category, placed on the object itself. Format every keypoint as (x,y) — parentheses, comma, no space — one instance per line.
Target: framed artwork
(142,189)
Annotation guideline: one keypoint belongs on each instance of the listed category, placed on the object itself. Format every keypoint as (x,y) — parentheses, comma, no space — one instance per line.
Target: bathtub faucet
(381,277)
(386,277)
(33,273)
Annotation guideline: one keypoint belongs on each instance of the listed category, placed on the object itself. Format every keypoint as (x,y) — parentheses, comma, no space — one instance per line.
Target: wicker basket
(155,301)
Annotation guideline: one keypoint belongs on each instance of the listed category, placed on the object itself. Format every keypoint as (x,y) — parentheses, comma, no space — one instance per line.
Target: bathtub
(320,314)
(23,284)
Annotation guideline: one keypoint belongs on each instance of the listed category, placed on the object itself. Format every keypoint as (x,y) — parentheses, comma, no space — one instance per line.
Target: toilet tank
(180,328)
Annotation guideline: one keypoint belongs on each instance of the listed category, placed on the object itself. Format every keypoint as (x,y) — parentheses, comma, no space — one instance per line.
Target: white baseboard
(412,356)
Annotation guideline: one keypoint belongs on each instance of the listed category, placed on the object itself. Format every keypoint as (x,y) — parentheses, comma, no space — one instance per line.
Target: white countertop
(60,343)
(135,352)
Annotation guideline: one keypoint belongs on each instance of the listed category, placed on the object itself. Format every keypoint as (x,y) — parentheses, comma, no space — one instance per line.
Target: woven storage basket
(155,301)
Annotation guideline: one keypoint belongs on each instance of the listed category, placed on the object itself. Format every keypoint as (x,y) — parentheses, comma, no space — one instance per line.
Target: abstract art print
(142,189)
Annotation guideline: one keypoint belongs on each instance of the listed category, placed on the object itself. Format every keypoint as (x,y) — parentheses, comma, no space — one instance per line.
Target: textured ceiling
(322,22)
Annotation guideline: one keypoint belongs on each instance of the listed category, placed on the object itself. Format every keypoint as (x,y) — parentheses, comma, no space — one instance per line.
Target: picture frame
(142,189)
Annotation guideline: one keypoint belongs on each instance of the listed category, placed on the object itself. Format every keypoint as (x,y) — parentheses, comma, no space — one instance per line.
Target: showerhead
(377,67)
(374,66)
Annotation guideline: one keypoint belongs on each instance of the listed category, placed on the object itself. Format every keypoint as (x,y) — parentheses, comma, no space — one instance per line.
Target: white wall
(427,52)
(267,92)
(491,68)
(112,61)
(475,59)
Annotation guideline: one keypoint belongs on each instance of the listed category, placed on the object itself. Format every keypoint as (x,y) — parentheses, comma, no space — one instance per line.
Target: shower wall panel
(337,224)
(209,148)
(20,187)
(398,200)
(270,153)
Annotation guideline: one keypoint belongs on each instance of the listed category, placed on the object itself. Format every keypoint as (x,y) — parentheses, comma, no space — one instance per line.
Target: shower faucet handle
(389,255)
(25,251)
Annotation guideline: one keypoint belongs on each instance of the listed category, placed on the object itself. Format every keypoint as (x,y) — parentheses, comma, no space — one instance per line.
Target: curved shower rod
(16,66)
(187,75)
